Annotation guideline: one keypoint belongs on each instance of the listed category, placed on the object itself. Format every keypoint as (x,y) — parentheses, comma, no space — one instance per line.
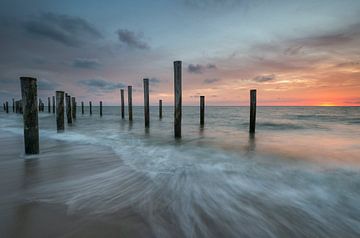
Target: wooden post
(49,106)
(178,98)
(7,106)
(30,117)
(146,103)
(202,110)
(130,103)
(13,105)
(21,106)
(53,104)
(122,104)
(101,108)
(82,108)
(68,109)
(73,109)
(60,111)
(252,110)
(160,109)
(90,105)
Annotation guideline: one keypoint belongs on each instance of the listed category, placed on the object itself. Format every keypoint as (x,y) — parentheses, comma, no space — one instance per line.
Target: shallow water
(299,176)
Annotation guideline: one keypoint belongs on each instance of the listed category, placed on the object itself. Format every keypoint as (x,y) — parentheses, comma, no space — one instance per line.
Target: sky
(295,53)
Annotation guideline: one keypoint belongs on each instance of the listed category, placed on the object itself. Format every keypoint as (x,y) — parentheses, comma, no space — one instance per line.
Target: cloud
(210,81)
(211,66)
(86,63)
(214,3)
(303,53)
(199,69)
(343,36)
(132,39)
(349,64)
(44,84)
(293,50)
(101,84)
(196,69)
(154,80)
(339,36)
(64,29)
(264,78)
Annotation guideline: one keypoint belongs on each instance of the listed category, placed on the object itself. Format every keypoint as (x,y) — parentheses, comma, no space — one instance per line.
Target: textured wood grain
(60,111)
(178,99)
(30,115)
(146,103)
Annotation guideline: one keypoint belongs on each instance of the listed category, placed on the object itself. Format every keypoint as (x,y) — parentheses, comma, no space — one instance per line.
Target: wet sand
(20,217)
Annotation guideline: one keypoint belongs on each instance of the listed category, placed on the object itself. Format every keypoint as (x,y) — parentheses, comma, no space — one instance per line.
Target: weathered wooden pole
(178,98)
(60,111)
(146,103)
(21,106)
(18,106)
(13,105)
(49,106)
(202,110)
(130,103)
(73,109)
(122,104)
(53,104)
(68,109)
(82,108)
(90,106)
(30,116)
(7,106)
(252,110)
(101,108)
(160,109)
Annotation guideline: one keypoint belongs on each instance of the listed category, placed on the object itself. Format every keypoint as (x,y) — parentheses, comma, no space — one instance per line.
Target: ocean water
(298,176)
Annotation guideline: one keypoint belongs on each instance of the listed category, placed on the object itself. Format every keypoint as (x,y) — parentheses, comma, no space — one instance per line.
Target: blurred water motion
(298,176)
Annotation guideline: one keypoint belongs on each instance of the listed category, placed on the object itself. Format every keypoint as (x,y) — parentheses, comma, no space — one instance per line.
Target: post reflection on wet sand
(251,147)
(31,172)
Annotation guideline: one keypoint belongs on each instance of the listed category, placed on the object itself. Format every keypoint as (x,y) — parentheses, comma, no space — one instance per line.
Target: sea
(297,176)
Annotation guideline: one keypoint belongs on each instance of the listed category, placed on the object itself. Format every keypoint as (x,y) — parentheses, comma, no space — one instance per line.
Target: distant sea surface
(298,176)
